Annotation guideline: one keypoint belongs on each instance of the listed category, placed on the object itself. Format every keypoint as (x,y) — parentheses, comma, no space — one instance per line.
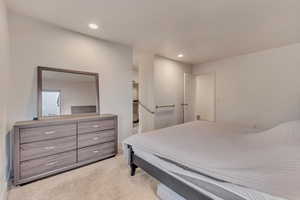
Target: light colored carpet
(105,180)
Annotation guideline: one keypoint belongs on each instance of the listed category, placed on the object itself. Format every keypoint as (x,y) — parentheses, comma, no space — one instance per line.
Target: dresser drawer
(93,126)
(47,164)
(45,148)
(85,140)
(97,152)
(46,132)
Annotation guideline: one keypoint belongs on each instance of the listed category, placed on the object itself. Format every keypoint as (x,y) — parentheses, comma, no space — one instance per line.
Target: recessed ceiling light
(180,55)
(93,26)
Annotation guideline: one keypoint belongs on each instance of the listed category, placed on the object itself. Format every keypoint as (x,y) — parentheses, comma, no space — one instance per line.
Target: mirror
(66,92)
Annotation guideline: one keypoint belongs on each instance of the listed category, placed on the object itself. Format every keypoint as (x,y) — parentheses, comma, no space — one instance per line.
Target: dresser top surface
(64,119)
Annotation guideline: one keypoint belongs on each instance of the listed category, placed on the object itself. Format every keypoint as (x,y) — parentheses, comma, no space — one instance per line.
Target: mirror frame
(40,70)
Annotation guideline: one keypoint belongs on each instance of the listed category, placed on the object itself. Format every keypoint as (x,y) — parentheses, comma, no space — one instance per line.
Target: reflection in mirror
(66,93)
(51,102)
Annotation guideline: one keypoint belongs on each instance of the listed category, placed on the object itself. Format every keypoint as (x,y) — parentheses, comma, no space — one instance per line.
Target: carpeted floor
(105,180)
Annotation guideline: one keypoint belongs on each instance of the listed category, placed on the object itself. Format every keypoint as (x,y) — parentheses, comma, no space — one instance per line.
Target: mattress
(266,162)
(213,188)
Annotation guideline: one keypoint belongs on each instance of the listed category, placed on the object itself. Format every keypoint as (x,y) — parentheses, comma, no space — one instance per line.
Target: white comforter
(267,161)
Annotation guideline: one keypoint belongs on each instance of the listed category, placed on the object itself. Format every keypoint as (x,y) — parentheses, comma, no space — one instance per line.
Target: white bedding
(181,174)
(267,161)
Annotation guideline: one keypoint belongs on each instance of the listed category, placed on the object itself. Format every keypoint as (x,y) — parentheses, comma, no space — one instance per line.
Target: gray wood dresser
(46,147)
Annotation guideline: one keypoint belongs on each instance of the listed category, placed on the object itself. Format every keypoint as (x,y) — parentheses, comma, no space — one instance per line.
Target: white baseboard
(3,191)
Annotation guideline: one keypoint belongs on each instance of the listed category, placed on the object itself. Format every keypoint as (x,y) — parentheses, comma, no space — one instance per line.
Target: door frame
(184,103)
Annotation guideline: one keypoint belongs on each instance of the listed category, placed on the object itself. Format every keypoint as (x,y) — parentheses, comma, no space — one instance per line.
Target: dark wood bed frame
(180,187)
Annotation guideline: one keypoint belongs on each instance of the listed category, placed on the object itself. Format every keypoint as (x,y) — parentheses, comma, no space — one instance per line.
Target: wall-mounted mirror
(67,92)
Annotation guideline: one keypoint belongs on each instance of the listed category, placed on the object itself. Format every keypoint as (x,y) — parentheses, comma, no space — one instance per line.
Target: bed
(204,160)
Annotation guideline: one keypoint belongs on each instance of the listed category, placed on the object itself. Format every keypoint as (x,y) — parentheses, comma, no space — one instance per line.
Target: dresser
(51,146)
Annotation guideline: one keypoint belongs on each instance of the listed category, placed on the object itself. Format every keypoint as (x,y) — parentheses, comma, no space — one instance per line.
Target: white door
(187,98)
(205,98)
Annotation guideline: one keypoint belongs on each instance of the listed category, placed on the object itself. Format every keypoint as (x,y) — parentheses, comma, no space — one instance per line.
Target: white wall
(35,43)
(260,89)
(135,75)
(169,89)
(144,61)
(4,94)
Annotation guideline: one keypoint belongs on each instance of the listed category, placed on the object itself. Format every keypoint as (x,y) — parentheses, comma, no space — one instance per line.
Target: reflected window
(51,103)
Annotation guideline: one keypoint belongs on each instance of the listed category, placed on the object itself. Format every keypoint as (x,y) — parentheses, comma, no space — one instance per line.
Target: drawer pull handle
(96,151)
(50,148)
(95,126)
(52,163)
(96,138)
(49,132)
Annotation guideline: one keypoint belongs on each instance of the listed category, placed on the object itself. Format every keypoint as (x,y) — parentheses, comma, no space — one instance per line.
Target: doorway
(135,106)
